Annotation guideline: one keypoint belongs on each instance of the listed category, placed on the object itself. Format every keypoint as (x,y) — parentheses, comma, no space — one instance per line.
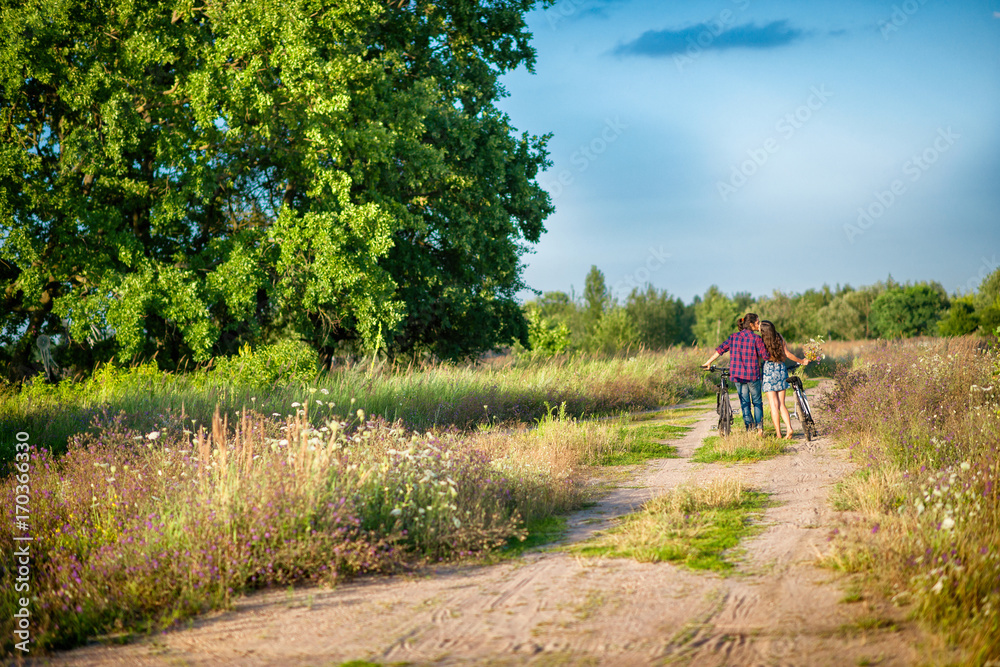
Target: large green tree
(912,310)
(179,178)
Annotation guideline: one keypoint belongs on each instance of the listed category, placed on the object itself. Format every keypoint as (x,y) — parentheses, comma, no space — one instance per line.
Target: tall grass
(134,530)
(156,496)
(923,419)
(505,390)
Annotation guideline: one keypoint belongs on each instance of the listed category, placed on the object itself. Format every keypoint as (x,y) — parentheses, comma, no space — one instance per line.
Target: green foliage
(987,303)
(841,319)
(650,318)
(656,317)
(913,310)
(716,316)
(596,297)
(545,337)
(180,180)
(287,360)
(796,316)
(562,308)
(613,332)
(961,318)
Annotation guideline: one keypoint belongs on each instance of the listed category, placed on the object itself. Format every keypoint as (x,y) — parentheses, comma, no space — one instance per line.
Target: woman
(746,351)
(775,375)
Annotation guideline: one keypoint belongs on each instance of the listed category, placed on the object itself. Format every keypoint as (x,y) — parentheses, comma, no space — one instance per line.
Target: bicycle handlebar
(713,369)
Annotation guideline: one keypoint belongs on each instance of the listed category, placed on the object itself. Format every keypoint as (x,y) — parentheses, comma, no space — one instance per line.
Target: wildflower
(948,523)
(296,404)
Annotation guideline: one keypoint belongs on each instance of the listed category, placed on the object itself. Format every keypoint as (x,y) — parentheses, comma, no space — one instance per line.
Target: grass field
(502,391)
(154,497)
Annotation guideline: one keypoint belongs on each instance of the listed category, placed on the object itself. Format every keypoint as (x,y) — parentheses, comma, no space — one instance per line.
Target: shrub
(923,421)
(288,360)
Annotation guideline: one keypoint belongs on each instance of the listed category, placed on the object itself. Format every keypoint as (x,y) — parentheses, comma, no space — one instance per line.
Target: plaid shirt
(747,351)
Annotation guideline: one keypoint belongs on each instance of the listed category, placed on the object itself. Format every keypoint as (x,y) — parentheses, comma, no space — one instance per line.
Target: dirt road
(552,608)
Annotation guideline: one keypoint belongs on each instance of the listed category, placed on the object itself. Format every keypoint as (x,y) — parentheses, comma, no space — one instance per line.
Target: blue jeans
(750,395)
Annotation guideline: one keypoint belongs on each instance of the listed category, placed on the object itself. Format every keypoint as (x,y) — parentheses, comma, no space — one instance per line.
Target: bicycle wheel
(804,418)
(725,414)
(809,416)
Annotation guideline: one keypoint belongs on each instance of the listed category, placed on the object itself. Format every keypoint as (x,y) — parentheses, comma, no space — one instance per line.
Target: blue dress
(775,376)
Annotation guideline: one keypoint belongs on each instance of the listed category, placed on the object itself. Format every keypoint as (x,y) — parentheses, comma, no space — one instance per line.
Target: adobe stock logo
(914,168)
(786,126)
(900,16)
(563,10)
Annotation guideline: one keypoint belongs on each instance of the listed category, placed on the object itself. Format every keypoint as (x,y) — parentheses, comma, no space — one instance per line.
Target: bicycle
(803,412)
(722,405)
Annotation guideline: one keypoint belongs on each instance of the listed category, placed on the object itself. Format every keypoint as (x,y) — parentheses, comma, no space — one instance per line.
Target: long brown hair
(773,341)
(747,320)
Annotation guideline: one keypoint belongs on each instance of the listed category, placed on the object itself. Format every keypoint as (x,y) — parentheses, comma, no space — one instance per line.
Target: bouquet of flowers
(814,349)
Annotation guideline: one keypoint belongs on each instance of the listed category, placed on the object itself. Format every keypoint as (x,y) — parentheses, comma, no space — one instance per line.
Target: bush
(288,360)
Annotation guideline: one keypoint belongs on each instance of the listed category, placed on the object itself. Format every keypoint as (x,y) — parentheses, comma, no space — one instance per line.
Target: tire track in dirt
(550,607)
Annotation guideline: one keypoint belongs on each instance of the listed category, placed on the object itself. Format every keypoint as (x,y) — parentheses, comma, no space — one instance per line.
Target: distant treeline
(652,318)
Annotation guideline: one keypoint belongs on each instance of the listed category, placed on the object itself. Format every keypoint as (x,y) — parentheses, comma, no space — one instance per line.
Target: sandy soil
(552,608)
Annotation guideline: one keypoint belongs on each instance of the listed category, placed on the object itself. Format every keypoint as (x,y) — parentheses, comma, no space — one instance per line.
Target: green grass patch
(660,431)
(642,443)
(738,447)
(694,526)
(542,531)
(672,415)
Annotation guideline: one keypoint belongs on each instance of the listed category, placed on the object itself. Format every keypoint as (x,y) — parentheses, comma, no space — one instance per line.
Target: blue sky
(765,145)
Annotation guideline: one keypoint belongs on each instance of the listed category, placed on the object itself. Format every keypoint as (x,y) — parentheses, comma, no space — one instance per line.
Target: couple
(746,352)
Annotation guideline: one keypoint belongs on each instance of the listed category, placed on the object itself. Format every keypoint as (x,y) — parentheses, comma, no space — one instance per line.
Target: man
(746,356)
